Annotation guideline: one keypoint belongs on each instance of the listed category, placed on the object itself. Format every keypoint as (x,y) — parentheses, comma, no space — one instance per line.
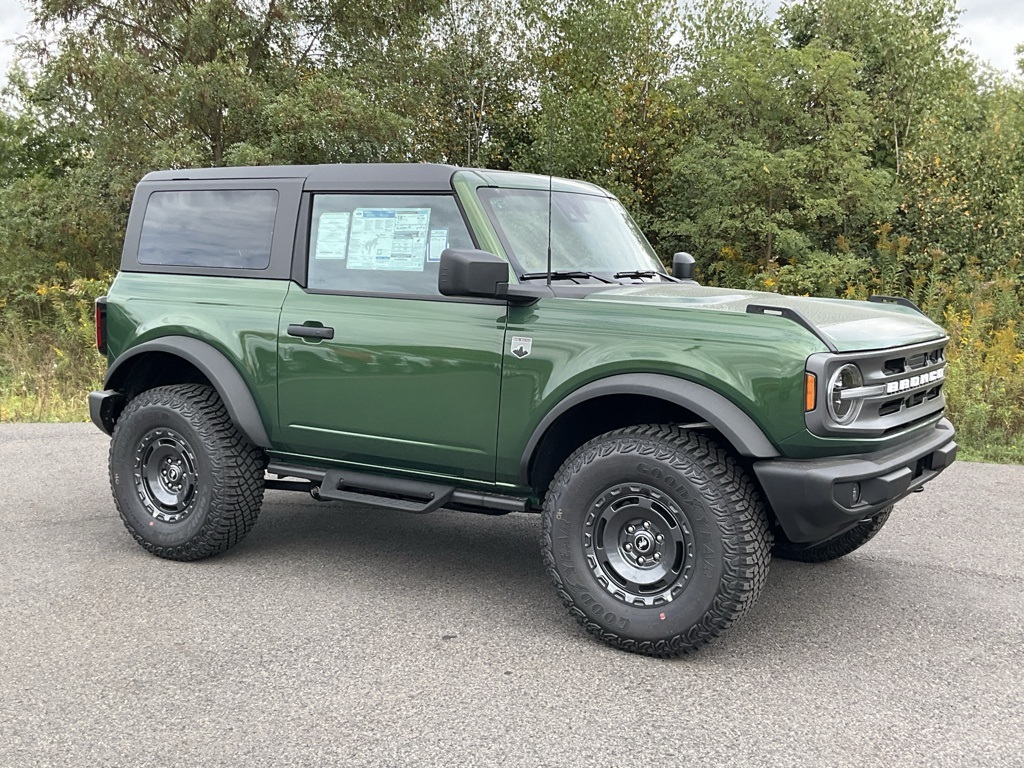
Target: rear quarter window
(229,229)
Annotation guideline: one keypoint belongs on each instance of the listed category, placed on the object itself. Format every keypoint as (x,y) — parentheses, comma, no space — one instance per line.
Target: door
(376,368)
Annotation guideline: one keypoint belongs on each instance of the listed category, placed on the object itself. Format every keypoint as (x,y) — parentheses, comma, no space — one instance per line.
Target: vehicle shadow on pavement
(803,610)
(479,556)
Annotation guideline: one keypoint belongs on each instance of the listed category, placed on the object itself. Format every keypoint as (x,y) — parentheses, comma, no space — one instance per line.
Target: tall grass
(48,357)
(985,386)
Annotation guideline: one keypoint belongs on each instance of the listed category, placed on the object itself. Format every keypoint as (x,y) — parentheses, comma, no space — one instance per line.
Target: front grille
(897,365)
(902,387)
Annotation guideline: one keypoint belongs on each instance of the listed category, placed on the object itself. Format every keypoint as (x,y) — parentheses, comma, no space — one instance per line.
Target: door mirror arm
(524,294)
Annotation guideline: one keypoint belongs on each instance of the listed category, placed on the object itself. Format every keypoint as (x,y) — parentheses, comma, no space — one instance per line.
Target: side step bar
(364,488)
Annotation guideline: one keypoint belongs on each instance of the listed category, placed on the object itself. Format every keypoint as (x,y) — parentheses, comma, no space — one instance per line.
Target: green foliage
(604,112)
(48,359)
(465,84)
(985,389)
(847,147)
(776,166)
(909,59)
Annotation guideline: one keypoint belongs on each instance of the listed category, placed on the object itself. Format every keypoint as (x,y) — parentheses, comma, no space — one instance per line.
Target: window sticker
(332,235)
(438,242)
(389,238)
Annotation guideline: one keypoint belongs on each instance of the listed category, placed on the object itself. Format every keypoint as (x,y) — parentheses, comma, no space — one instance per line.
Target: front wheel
(186,482)
(655,538)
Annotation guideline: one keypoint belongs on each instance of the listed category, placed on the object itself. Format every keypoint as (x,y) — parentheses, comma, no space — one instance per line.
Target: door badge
(521,346)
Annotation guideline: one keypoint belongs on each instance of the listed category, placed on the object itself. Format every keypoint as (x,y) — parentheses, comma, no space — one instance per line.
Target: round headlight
(844,410)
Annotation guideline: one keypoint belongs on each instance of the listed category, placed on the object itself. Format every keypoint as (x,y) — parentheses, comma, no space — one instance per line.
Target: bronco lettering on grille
(913,382)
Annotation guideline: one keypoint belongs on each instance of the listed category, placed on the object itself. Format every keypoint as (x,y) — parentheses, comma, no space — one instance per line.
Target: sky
(993,29)
(13,22)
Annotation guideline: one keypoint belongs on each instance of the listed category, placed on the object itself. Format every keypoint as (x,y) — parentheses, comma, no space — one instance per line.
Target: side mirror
(472,273)
(682,266)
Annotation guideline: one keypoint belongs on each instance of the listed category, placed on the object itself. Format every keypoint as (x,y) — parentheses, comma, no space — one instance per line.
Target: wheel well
(154,369)
(594,417)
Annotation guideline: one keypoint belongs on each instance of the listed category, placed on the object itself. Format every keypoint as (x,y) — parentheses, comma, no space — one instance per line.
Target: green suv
(419,337)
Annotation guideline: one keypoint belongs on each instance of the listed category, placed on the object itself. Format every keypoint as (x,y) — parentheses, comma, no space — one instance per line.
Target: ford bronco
(418,337)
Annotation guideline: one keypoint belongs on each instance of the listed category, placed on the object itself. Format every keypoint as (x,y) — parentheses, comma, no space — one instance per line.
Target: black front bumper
(816,499)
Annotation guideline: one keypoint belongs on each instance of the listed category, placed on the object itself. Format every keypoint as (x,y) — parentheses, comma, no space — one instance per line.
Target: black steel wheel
(655,539)
(186,482)
(836,547)
(639,544)
(166,476)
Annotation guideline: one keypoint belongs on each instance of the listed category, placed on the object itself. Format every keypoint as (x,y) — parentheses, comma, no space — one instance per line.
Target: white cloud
(13,22)
(994,29)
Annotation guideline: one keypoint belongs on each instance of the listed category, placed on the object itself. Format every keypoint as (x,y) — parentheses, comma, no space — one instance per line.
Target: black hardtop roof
(371,177)
(363,175)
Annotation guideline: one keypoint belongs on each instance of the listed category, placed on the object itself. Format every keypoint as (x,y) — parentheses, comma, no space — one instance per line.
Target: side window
(231,229)
(382,243)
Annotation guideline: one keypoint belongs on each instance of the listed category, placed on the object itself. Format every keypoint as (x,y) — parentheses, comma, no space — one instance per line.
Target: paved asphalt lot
(338,636)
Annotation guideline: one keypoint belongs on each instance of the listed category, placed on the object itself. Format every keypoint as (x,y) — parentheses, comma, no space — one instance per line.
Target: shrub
(48,358)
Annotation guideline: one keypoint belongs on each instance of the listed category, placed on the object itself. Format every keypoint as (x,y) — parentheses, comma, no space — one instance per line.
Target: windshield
(588,233)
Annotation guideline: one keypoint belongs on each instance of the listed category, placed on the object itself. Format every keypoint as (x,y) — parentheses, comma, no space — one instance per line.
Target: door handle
(311,331)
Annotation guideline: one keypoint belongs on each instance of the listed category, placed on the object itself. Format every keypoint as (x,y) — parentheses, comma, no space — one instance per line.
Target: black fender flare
(721,413)
(213,364)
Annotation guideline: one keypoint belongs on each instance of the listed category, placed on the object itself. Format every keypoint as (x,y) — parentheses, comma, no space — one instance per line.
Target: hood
(851,326)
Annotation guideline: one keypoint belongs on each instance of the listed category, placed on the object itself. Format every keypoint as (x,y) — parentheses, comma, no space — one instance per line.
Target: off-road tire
(225,473)
(667,473)
(836,547)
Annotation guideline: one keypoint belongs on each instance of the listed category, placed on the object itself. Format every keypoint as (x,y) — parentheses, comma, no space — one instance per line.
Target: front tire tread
(747,539)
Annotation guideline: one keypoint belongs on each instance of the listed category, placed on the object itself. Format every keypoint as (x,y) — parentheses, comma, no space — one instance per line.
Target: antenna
(551,132)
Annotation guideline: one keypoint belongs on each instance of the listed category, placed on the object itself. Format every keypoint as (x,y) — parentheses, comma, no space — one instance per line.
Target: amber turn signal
(810,391)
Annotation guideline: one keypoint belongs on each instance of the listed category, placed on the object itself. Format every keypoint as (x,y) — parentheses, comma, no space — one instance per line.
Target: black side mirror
(472,273)
(682,266)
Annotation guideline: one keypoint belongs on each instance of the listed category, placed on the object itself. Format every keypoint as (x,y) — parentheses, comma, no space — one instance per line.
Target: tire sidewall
(581,483)
(128,434)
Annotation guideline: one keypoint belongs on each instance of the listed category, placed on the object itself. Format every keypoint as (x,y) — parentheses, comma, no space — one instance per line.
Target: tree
(909,53)
(776,164)
(467,82)
(601,111)
(110,90)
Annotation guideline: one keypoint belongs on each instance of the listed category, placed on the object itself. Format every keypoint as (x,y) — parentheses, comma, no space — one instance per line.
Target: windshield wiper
(636,274)
(563,275)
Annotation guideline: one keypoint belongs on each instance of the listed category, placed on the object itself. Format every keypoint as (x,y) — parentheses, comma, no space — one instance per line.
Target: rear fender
(214,365)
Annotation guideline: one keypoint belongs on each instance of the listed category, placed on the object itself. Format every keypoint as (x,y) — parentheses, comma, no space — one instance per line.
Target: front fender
(724,415)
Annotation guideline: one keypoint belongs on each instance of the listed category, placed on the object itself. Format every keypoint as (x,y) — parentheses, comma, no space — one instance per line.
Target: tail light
(101,325)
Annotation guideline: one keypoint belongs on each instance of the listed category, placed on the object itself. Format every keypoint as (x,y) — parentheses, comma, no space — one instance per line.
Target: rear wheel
(836,547)
(186,482)
(656,540)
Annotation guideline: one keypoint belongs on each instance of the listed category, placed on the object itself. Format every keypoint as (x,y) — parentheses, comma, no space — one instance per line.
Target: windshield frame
(485,192)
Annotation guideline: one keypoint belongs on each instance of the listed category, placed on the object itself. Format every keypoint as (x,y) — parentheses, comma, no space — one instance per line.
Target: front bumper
(817,499)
